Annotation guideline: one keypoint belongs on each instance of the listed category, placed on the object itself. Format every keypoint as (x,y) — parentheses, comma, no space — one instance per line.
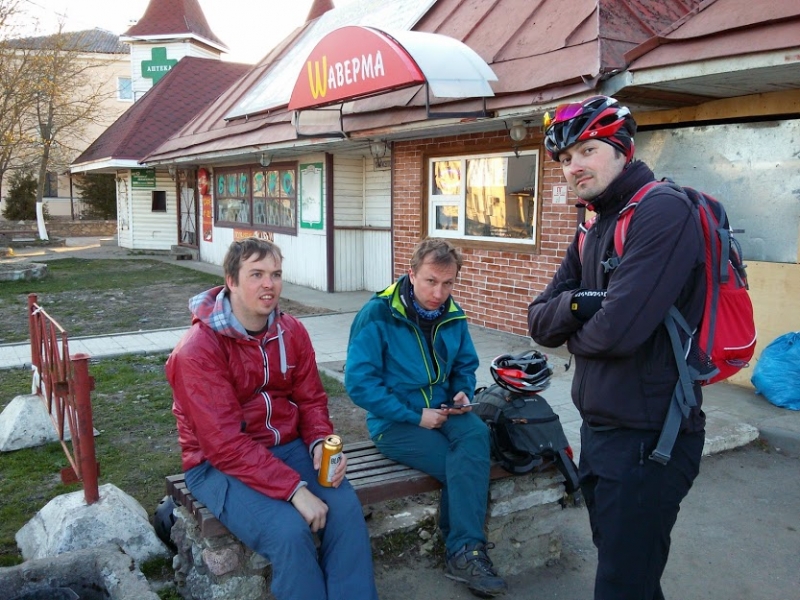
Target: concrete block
(102,571)
(67,523)
(24,423)
(725,433)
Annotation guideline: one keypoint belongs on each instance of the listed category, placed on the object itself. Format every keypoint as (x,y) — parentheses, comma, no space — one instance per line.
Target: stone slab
(67,523)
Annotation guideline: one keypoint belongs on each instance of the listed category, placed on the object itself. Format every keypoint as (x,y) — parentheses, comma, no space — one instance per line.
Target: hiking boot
(471,565)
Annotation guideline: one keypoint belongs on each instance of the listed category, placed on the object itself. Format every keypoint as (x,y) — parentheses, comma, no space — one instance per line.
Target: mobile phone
(459,406)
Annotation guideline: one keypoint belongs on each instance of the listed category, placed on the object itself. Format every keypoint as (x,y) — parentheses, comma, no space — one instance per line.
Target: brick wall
(65,228)
(498,281)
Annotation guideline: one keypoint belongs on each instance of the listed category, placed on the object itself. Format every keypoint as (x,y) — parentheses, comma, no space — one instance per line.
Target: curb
(782,440)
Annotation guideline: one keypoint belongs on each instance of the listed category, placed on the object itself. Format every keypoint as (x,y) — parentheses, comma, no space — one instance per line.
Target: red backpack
(725,340)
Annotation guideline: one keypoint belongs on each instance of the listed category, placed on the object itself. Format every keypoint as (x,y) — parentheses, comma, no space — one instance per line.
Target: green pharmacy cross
(158,65)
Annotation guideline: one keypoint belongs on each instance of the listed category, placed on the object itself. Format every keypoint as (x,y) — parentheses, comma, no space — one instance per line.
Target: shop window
(489,197)
(159,201)
(261,197)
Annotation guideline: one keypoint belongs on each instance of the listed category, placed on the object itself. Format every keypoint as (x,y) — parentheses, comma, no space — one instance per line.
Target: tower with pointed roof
(168,31)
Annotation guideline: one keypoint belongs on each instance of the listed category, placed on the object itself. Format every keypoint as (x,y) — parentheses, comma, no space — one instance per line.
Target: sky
(250,28)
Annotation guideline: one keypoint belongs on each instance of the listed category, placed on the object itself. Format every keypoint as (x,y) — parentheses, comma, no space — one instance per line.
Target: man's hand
(311,508)
(459,400)
(586,302)
(338,474)
(432,418)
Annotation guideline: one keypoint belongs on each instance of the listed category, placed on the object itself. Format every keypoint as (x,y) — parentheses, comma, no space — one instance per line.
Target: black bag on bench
(524,428)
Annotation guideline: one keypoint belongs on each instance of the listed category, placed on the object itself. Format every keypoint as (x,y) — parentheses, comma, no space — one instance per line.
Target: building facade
(347,187)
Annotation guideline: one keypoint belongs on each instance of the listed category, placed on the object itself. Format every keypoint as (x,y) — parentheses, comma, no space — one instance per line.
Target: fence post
(85,434)
(36,346)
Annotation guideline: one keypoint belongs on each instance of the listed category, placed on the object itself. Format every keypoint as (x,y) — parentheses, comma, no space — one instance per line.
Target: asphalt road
(737,538)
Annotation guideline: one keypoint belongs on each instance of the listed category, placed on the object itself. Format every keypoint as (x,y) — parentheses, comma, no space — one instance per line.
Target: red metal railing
(64,385)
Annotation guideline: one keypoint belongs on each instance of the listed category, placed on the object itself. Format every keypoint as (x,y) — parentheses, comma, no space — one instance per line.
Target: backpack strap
(620,229)
(568,469)
(626,214)
(683,399)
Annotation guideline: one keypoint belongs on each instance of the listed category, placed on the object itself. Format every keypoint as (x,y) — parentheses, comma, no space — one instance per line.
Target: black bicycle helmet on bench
(525,374)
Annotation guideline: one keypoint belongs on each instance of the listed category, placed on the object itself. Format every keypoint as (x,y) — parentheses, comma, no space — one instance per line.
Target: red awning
(355,62)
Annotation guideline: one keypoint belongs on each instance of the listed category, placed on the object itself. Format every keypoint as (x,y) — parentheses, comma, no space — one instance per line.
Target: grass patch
(94,297)
(77,274)
(99,297)
(137,446)
(333,386)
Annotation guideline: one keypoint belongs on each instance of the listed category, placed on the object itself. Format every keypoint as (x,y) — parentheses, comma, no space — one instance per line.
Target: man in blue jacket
(610,312)
(411,363)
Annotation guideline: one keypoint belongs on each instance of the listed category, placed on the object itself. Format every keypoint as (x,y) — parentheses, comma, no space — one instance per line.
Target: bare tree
(17,144)
(51,92)
(67,99)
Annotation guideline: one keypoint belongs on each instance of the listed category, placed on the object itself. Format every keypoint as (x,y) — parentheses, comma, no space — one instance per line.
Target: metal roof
(542,51)
(722,49)
(96,41)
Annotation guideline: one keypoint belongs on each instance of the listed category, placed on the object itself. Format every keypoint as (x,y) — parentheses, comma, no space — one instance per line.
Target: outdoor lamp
(518,131)
(378,150)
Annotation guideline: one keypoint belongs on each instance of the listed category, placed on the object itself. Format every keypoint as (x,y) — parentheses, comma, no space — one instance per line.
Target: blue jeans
(457,454)
(340,570)
(633,503)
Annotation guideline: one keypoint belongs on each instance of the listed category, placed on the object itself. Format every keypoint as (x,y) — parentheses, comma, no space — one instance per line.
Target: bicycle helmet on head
(598,117)
(526,373)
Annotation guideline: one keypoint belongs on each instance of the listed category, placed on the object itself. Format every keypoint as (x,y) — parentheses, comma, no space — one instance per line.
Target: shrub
(99,195)
(20,204)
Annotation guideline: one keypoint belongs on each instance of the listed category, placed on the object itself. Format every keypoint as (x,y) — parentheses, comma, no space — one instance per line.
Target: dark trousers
(457,454)
(633,503)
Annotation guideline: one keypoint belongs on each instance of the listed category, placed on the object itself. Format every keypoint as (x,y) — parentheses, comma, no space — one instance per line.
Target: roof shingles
(174,17)
(188,88)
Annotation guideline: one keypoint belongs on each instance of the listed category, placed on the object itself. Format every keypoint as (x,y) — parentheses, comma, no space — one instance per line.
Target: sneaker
(471,565)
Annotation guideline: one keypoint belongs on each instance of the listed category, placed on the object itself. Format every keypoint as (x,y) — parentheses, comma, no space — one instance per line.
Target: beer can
(331,457)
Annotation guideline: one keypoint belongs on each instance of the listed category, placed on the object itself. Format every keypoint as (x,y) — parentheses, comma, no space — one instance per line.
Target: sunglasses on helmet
(563,112)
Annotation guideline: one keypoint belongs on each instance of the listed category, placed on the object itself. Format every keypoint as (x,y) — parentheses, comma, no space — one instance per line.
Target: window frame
(458,197)
(158,201)
(252,197)
(120,89)
(51,185)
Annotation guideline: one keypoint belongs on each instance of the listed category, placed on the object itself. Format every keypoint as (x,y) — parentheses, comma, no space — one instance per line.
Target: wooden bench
(210,562)
(18,235)
(374,477)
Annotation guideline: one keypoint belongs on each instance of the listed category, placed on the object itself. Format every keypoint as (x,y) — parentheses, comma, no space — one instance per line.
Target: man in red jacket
(251,414)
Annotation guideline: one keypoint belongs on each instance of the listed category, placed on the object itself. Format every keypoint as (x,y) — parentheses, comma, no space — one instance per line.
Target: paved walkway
(736,415)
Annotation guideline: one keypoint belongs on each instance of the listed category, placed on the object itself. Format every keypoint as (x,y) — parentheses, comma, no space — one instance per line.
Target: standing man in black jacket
(610,312)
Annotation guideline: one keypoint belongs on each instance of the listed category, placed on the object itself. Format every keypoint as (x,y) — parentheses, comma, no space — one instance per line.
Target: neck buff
(428,315)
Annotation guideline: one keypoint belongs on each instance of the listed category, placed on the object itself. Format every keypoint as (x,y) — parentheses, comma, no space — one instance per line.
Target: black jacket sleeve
(550,321)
